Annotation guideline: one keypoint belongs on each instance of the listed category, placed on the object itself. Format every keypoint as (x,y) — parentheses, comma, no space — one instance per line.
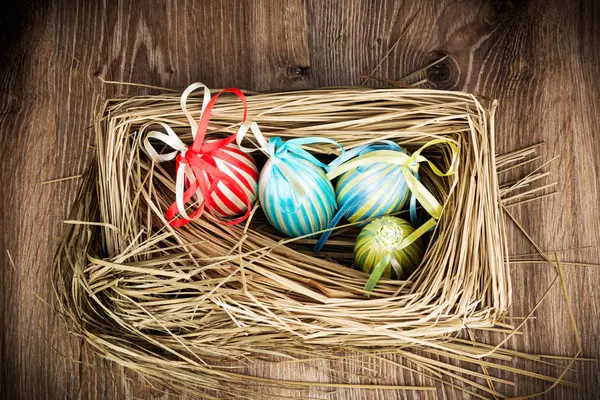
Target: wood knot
(445,74)
(300,72)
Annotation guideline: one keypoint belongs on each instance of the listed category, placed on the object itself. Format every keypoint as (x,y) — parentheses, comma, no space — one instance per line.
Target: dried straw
(193,308)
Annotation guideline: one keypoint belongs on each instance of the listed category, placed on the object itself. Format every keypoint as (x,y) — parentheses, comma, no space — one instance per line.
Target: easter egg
(295,194)
(221,177)
(389,247)
(226,199)
(368,187)
(372,190)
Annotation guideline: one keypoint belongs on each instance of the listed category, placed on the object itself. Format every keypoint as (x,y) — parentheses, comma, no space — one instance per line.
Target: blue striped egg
(369,190)
(291,213)
(372,191)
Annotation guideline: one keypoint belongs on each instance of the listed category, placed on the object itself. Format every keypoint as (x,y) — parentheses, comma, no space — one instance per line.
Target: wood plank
(540,59)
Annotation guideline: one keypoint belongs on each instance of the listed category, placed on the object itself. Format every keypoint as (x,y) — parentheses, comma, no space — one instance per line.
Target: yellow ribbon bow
(409,165)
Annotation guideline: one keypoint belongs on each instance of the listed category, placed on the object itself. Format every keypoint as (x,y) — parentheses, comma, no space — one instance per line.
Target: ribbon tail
(376,273)
(413,209)
(336,220)
(294,145)
(420,231)
(413,206)
(429,203)
(217,145)
(292,179)
(349,154)
(180,189)
(175,209)
(299,151)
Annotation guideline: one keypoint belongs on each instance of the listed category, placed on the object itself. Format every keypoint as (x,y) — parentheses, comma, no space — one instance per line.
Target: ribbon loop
(183,102)
(276,148)
(377,272)
(252,126)
(453,149)
(170,139)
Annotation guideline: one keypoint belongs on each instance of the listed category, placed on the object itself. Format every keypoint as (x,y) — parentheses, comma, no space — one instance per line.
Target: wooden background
(541,59)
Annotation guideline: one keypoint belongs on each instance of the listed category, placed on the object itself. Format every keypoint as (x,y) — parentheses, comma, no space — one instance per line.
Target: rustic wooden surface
(541,59)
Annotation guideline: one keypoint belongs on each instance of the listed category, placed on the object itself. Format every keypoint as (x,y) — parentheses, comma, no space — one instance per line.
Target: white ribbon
(260,138)
(183,101)
(173,141)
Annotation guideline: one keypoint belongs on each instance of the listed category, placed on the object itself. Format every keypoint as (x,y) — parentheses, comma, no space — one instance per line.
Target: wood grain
(540,59)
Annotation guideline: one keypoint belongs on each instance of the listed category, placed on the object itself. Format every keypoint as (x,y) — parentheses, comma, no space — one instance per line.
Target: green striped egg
(383,237)
(372,190)
(289,213)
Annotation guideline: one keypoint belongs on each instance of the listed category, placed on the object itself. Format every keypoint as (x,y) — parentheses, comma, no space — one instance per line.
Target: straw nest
(185,305)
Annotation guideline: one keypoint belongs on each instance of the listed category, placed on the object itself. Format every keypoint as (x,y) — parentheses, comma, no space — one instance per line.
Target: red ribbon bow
(201,158)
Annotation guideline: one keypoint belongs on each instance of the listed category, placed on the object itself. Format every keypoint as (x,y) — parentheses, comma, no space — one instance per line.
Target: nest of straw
(186,306)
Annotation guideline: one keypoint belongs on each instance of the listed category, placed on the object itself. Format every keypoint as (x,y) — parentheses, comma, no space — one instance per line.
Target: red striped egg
(242,168)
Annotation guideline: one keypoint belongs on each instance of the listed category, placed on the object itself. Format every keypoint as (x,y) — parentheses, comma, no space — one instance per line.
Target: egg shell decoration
(221,177)
(371,190)
(243,171)
(389,247)
(295,194)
